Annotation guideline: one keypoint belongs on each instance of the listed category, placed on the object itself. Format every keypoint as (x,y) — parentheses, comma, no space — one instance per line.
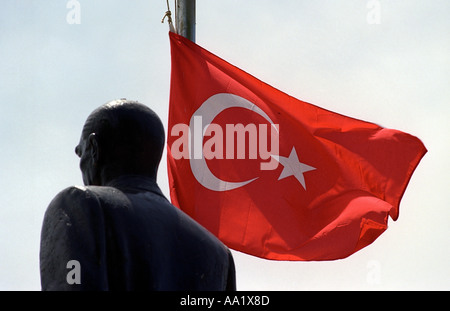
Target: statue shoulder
(72,229)
(87,199)
(73,200)
(75,194)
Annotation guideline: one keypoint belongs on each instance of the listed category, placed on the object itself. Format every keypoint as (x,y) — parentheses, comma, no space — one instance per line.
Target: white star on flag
(293,167)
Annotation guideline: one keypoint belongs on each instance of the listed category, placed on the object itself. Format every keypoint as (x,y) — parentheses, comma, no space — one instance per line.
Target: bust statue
(119,228)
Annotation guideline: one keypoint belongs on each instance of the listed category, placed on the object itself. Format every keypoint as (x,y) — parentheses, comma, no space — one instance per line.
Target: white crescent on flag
(210,108)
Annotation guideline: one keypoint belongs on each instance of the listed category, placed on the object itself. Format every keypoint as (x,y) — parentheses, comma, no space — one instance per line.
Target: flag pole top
(185,18)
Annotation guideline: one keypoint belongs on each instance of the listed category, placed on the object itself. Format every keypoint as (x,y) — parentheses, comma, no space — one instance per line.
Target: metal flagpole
(185,18)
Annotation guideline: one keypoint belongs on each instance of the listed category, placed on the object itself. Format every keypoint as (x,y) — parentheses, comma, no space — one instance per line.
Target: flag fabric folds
(271,175)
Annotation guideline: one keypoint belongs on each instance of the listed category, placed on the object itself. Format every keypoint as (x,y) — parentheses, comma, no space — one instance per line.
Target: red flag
(271,175)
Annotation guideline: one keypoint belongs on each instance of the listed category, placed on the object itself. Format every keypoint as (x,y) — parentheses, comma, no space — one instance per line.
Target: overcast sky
(394,71)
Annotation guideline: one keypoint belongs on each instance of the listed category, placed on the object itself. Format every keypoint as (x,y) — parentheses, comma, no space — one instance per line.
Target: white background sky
(396,74)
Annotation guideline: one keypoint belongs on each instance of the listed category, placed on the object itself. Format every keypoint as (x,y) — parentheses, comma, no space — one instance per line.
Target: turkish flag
(271,175)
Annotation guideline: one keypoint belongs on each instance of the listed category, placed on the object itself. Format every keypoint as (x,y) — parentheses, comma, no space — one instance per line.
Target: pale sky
(394,73)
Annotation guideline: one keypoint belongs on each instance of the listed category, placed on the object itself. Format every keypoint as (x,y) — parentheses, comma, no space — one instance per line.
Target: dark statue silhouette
(119,227)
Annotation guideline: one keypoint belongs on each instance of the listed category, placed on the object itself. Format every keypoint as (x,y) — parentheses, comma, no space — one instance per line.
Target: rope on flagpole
(169,18)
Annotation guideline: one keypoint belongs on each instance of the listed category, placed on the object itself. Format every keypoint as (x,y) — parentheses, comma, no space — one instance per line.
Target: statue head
(120,138)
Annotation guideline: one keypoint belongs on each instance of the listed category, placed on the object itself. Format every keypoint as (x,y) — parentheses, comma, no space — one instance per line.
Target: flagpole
(185,18)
